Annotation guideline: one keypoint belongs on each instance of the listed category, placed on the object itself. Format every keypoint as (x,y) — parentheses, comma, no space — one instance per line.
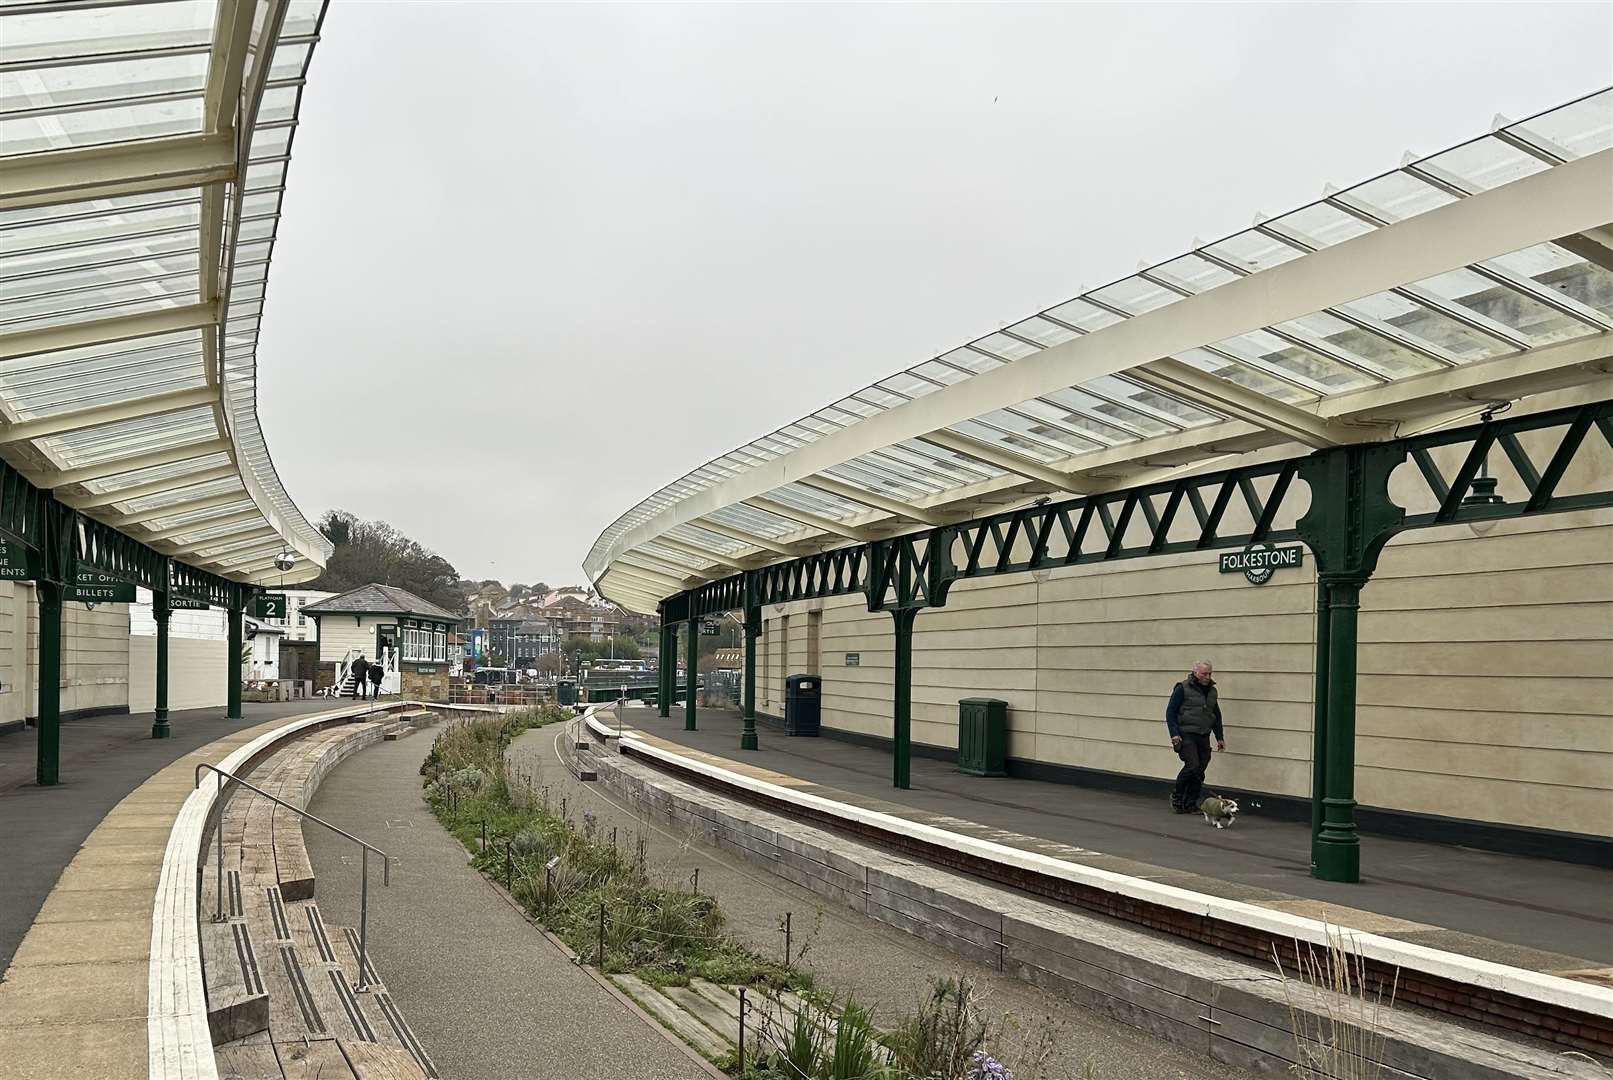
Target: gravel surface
(489,997)
(849,953)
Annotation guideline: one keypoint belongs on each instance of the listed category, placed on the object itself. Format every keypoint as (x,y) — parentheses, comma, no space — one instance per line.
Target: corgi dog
(1219,811)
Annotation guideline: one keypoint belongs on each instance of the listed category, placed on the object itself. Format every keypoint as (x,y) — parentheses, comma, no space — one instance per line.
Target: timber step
(706,1015)
(285,1001)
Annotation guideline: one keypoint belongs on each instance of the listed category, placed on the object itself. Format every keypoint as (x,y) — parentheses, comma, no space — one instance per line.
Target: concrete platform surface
(1530,913)
(103,759)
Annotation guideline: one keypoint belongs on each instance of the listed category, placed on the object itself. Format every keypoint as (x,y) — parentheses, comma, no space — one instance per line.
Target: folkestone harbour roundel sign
(1259,562)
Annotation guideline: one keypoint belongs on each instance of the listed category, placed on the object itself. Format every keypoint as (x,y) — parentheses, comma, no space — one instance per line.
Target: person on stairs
(376,672)
(361,671)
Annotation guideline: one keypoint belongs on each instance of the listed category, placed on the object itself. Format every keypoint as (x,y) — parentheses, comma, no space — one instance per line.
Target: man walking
(361,673)
(1191,717)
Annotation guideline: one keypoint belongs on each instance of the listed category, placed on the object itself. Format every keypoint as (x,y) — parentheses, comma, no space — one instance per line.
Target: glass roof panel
(756,521)
(814,501)
(1044,333)
(1489,311)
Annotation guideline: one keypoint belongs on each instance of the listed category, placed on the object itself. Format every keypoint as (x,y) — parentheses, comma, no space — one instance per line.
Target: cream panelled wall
(1486,666)
(95,655)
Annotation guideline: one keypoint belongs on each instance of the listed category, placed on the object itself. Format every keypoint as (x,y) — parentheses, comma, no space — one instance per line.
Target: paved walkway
(487,994)
(850,954)
(103,759)
(1532,913)
(73,1002)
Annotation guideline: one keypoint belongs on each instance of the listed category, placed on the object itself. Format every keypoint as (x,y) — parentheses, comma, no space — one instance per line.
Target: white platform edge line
(1533,985)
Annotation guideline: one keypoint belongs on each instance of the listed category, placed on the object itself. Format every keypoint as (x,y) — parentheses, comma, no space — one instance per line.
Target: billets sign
(14,561)
(1258,563)
(94,587)
(269,606)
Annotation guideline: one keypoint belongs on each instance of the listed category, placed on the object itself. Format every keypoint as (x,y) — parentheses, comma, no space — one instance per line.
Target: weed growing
(562,874)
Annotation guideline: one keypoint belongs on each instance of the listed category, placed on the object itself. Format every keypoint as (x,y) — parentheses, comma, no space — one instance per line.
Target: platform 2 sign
(14,562)
(1258,563)
(91,587)
(269,606)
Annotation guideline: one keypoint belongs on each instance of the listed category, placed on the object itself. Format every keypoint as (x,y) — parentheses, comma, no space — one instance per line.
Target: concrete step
(672,1016)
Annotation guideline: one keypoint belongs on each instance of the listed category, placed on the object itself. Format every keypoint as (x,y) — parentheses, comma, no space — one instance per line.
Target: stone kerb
(1536,986)
(1227,1006)
(179,1042)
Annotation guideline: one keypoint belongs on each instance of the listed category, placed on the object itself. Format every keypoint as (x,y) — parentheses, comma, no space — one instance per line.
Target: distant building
(522,635)
(412,636)
(580,615)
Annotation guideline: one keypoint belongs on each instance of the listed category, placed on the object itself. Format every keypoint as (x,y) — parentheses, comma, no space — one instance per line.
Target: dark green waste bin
(983,736)
(802,704)
(566,691)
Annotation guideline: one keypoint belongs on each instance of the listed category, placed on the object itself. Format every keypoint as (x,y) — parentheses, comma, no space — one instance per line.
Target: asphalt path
(488,995)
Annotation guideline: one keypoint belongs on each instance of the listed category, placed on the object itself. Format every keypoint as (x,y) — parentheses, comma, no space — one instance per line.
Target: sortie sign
(1258,563)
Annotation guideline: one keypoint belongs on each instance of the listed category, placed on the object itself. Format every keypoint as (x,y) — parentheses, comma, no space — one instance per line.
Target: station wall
(95,656)
(196,672)
(1486,665)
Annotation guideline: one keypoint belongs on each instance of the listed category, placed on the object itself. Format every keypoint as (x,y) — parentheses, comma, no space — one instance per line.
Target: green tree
(374,552)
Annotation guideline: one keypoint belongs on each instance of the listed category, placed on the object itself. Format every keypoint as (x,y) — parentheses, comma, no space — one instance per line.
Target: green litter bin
(983,736)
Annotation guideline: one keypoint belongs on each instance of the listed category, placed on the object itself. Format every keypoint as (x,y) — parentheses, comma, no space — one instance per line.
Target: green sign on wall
(185,603)
(93,587)
(13,561)
(269,606)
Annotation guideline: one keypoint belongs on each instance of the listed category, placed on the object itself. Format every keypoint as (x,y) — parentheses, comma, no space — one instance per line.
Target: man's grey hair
(1202,664)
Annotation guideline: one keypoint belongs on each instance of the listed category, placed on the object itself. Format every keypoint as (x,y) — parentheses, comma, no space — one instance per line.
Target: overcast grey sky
(538,260)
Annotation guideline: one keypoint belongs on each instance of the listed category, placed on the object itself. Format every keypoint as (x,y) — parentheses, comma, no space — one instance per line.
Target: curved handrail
(364,879)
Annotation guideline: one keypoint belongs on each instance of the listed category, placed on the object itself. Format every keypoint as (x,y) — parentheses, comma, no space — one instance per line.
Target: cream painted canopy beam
(657,566)
(1229,399)
(117,466)
(745,537)
(212,502)
(106,331)
(253,515)
(130,168)
(156,487)
(713,557)
(651,579)
(1560,201)
(816,521)
(99,415)
(868,498)
(991,455)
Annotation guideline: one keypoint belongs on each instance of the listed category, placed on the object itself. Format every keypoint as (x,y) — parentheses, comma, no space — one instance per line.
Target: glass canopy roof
(143,156)
(1550,299)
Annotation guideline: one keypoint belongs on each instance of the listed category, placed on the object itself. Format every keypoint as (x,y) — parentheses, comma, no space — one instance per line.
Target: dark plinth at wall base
(67,714)
(1566,847)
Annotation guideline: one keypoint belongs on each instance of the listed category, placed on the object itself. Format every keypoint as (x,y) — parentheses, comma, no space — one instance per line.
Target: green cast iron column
(902,698)
(48,770)
(1319,719)
(669,672)
(1338,845)
(753,630)
(692,628)
(232,688)
(160,612)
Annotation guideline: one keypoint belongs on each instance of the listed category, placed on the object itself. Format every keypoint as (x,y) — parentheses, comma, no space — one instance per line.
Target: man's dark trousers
(1195,755)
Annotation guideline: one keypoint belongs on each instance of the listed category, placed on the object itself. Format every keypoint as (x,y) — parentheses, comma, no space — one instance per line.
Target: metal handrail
(364,873)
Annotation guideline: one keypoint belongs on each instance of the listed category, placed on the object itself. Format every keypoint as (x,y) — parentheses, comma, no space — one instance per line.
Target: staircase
(286,999)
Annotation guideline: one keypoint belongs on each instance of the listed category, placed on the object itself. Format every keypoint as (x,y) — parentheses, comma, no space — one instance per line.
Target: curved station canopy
(1401,304)
(143,156)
